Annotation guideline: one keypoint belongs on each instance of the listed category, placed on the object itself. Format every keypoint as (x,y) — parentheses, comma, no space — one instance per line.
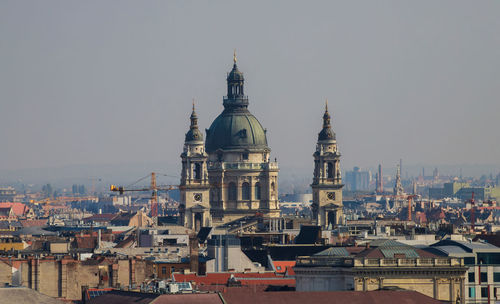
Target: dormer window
(242,133)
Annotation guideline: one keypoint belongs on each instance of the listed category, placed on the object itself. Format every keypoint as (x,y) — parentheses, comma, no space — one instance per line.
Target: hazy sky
(104,82)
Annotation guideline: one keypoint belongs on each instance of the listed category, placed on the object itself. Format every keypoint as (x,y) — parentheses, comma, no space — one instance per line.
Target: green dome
(236,130)
(193,135)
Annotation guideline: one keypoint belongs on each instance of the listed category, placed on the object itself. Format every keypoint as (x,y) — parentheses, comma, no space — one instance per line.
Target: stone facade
(327,181)
(231,175)
(64,278)
(440,278)
(194,187)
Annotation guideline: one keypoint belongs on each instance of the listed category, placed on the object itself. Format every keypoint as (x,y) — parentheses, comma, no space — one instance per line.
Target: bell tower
(194,208)
(327,180)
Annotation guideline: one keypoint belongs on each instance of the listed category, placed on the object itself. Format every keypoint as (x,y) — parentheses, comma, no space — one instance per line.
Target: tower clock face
(330,195)
(197,197)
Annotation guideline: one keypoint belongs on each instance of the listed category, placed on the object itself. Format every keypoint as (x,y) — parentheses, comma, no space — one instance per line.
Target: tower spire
(234,56)
(327,132)
(194,133)
(398,187)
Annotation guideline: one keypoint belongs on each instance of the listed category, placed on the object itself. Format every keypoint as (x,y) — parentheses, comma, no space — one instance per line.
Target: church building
(230,175)
(327,180)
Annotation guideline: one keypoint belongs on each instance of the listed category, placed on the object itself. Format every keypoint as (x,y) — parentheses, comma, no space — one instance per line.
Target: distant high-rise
(357,180)
(435,173)
(380,180)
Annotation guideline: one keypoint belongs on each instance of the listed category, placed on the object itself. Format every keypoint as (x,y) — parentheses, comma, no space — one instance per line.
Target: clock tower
(194,188)
(327,180)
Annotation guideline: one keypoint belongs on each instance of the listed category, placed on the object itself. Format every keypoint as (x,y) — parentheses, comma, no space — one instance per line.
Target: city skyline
(94,85)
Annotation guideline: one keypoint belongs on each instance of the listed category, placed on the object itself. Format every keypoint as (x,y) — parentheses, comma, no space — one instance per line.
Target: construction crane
(154,196)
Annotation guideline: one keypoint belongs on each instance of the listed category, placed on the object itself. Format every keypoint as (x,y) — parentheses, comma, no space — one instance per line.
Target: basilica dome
(236,127)
(236,130)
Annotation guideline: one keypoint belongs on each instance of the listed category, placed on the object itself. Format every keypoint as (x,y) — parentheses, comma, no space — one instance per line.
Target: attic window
(242,133)
(245,155)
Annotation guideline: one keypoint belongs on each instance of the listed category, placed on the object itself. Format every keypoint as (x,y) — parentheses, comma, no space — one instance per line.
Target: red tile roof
(89,242)
(34,223)
(281,266)
(266,278)
(248,295)
(203,298)
(19,209)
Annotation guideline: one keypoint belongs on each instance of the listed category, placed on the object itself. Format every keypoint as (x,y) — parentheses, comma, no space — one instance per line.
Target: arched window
(232,191)
(245,191)
(273,190)
(197,171)
(330,170)
(257,190)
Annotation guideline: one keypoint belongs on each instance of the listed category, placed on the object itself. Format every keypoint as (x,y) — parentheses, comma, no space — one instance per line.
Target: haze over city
(242,152)
(92,84)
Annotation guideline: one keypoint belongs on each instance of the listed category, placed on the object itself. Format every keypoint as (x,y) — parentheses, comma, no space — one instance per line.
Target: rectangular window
(496,276)
(484,277)
(469,261)
(471,277)
(164,270)
(472,292)
(484,292)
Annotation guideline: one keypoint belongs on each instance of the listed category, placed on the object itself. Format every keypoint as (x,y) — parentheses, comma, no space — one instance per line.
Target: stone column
(252,191)
(238,191)
(462,290)
(452,289)
(436,288)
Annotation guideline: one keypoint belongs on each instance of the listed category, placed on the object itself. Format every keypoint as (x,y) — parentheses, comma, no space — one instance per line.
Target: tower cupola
(326,133)
(194,134)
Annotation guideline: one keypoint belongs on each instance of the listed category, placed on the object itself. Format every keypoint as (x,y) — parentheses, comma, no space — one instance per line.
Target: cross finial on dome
(193,104)
(326,105)
(234,56)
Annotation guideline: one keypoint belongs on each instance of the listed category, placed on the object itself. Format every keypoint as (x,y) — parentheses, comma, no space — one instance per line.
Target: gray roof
(387,243)
(35,230)
(408,251)
(465,246)
(334,251)
(453,251)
